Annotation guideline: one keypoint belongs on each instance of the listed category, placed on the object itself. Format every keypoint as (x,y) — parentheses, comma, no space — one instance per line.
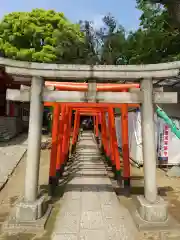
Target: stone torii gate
(151,207)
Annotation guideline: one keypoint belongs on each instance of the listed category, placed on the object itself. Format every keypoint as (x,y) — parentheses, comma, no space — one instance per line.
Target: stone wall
(10,127)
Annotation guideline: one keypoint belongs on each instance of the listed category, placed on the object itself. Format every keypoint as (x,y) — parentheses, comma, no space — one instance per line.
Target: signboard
(163,142)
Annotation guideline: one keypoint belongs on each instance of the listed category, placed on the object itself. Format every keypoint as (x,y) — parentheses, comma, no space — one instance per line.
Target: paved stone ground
(169,189)
(14,190)
(11,153)
(102,195)
(89,208)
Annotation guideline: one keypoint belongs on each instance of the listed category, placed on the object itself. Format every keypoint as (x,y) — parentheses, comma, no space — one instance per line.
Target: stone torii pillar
(148,140)
(34,140)
(30,209)
(151,207)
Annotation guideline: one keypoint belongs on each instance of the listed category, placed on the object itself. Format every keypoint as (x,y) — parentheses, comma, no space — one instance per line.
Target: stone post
(151,207)
(34,140)
(148,141)
(31,207)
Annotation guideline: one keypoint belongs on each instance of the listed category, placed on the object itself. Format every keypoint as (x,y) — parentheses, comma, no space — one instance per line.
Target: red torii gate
(61,130)
(100,87)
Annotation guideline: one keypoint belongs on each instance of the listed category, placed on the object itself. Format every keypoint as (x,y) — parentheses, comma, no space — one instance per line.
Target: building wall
(172,110)
(135,139)
(9,127)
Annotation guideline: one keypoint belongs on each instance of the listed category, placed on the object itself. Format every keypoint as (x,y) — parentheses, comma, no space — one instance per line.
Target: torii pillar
(151,207)
(31,207)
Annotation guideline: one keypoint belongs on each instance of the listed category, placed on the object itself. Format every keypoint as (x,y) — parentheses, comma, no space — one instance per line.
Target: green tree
(91,46)
(156,40)
(105,45)
(41,36)
(173,7)
(47,36)
(113,41)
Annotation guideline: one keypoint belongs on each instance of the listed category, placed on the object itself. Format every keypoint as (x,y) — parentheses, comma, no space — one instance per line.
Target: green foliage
(40,35)
(91,45)
(113,42)
(156,40)
(47,36)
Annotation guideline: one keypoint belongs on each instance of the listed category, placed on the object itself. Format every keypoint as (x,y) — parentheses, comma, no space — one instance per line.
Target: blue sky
(123,10)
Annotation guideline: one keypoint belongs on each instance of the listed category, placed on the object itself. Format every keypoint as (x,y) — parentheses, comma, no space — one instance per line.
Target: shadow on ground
(17,140)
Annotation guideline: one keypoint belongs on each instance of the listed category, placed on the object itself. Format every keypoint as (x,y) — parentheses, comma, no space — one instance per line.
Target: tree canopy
(40,35)
(157,39)
(48,36)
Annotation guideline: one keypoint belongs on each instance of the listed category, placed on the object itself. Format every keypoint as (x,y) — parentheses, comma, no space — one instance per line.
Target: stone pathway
(89,208)
(91,193)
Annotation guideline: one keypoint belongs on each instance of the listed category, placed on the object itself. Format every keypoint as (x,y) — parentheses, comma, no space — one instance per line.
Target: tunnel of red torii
(94,98)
